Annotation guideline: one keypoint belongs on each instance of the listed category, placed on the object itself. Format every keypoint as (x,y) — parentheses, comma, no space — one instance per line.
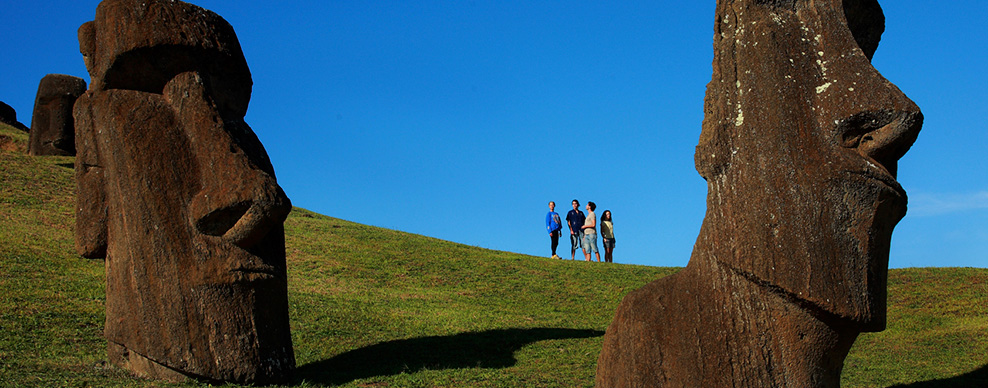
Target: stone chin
(829,255)
(870,207)
(888,208)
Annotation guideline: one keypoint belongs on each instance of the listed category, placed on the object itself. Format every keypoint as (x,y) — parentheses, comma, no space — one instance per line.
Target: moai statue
(52,130)
(799,146)
(179,196)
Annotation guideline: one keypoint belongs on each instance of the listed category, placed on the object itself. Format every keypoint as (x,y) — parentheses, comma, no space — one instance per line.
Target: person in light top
(590,232)
(607,233)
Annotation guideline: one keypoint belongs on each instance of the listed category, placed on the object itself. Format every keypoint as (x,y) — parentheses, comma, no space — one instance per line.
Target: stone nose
(242,218)
(881,136)
(238,198)
(888,143)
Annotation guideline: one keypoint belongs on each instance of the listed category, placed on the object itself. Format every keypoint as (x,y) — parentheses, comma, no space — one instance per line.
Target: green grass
(372,307)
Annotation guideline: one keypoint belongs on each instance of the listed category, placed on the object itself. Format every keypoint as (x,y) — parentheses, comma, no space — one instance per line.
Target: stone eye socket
(866,21)
(149,69)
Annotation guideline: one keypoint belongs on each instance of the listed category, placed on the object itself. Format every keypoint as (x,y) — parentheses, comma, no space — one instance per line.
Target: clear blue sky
(462,119)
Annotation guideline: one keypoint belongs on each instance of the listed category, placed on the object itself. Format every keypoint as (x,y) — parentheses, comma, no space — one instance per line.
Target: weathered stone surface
(178,194)
(799,146)
(52,130)
(9,116)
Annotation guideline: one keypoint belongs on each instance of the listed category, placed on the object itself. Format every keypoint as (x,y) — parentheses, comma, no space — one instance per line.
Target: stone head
(799,147)
(53,131)
(178,193)
(128,47)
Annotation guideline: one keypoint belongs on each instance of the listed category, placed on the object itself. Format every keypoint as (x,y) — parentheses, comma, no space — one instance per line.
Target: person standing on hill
(554,225)
(590,232)
(607,233)
(575,219)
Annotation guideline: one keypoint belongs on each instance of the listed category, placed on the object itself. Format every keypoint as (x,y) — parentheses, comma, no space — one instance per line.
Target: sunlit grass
(378,308)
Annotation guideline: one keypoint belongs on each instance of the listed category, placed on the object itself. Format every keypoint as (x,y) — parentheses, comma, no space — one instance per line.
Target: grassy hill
(372,307)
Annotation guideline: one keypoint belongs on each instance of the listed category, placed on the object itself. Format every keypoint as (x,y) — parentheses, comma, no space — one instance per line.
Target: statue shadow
(485,349)
(975,378)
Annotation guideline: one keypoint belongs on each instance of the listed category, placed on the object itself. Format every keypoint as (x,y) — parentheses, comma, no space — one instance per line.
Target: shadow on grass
(486,349)
(975,378)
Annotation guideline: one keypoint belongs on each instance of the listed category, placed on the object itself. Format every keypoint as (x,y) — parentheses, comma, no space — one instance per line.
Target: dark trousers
(555,241)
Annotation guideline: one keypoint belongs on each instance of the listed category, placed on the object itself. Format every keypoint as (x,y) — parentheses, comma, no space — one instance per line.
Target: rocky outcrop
(9,116)
(52,129)
(177,192)
(799,146)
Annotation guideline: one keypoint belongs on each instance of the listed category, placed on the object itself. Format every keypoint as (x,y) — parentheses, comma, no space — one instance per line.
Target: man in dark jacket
(575,218)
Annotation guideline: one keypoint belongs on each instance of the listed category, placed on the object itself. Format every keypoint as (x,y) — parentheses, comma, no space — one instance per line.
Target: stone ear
(91,205)
(87,45)
(713,151)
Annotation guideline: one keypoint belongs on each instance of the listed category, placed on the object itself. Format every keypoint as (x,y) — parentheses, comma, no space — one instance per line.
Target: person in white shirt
(590,232)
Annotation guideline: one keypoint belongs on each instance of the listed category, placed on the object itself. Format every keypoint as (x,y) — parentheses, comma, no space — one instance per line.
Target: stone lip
(53,128)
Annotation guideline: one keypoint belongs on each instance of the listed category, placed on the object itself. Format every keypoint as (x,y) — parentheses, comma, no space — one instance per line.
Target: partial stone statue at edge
(9,116)
(799,148)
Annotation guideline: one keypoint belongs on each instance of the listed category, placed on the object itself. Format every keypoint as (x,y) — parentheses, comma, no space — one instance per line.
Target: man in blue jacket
(554,225)
(575,218)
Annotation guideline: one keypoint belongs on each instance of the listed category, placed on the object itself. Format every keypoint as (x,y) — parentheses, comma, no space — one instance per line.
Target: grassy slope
(374,307)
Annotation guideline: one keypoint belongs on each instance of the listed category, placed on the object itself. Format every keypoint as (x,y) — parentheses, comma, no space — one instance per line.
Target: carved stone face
(182,194)
(799,148)
(53,132)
